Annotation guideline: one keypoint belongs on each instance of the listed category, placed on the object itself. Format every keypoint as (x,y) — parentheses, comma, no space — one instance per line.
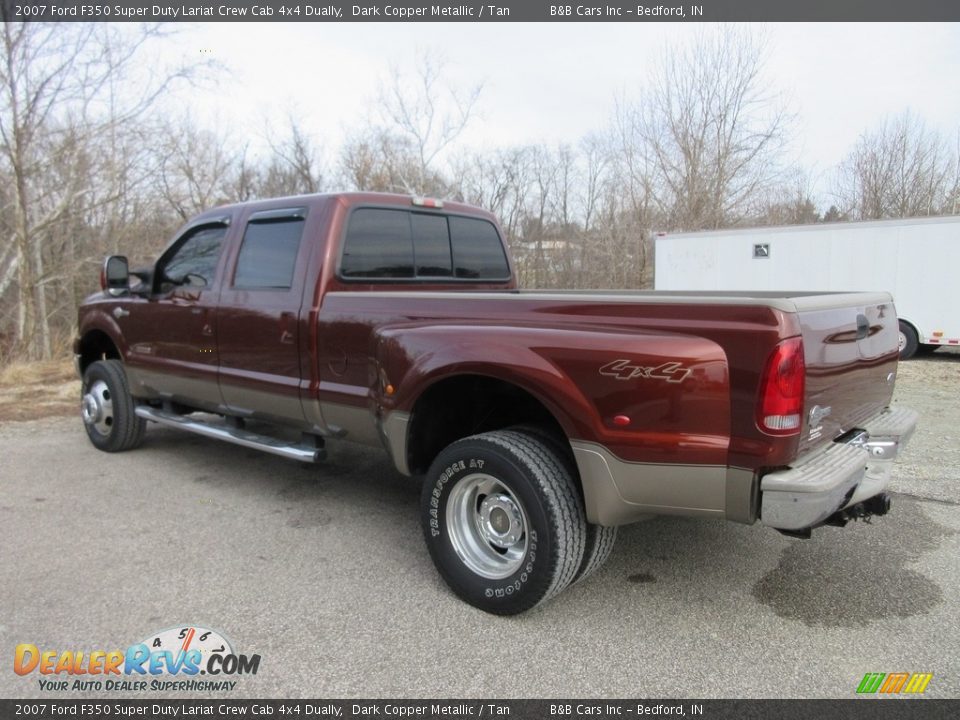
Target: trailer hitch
(877,505)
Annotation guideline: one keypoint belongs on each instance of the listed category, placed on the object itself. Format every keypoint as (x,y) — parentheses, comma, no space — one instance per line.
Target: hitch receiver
(876,505)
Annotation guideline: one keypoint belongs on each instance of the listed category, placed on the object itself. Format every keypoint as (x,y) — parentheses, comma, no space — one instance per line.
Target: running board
(235,435)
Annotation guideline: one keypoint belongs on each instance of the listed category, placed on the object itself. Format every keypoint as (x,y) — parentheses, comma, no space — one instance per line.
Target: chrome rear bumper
(838,476)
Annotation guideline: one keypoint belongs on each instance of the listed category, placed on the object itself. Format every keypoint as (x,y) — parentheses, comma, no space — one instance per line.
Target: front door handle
(119,312)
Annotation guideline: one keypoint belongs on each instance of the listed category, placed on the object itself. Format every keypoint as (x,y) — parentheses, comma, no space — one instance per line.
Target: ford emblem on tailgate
(817,414)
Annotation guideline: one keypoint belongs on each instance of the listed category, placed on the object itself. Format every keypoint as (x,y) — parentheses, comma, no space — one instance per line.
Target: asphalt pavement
(322,572)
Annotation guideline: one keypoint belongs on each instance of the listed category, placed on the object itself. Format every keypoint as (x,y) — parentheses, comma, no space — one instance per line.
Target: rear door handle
(287,320)
(863,326)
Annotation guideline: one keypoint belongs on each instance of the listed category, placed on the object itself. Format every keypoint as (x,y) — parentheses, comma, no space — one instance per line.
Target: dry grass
(29,391)
(32,373)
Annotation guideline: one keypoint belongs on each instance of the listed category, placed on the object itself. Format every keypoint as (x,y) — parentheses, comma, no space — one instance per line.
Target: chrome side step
(235,435)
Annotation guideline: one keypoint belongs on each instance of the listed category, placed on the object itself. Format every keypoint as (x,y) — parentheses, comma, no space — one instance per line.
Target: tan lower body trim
(394,430)
(617,492)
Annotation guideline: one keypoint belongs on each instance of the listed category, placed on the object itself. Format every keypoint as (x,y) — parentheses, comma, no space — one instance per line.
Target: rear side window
(477,251)
(405,245)
(269,253)
(431,245)
(378,245)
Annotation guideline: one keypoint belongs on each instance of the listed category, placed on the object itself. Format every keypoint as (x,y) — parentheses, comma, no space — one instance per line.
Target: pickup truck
(539,421)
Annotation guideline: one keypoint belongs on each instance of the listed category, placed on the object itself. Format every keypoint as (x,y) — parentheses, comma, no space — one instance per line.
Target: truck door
(258,322)
(171,335)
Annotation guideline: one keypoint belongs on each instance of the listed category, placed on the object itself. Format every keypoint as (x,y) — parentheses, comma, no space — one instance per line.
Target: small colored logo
(894,683)
(185,652)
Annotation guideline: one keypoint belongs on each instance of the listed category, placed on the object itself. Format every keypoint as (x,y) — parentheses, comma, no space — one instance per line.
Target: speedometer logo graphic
(184,638)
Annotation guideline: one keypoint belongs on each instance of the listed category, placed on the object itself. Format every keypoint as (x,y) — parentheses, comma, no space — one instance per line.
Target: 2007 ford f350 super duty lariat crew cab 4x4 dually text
(540,421)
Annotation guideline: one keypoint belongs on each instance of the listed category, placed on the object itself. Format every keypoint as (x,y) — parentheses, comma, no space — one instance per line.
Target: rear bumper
(837,476)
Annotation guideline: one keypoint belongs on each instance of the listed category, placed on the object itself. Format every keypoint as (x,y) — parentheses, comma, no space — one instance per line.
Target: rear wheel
(909,342)
(599,539)
(107,408)
(599,547)
(503,521)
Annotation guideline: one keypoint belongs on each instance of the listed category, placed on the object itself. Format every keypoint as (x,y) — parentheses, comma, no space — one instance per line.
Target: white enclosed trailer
(916,260)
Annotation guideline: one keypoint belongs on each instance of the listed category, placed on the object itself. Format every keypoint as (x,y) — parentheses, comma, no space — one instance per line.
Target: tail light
(780,403)
(103,277)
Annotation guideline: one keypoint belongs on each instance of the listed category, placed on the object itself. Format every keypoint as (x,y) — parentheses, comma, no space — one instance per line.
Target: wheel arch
(95,344)
(465,404)
(905,354)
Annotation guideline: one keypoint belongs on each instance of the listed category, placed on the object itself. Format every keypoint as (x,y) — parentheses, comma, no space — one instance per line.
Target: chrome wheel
(96,407)
(487,526)
(902,341)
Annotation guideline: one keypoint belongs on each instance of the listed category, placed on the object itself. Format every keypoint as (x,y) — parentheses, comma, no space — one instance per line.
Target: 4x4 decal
(672,372)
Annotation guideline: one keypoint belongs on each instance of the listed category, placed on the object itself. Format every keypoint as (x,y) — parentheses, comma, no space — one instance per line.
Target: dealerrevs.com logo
(188,658)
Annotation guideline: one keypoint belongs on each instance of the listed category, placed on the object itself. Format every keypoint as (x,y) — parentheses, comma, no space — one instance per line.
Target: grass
(33,390)
(33,373)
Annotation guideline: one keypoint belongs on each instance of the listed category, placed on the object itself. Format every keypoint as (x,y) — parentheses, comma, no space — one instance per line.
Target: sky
(557,82)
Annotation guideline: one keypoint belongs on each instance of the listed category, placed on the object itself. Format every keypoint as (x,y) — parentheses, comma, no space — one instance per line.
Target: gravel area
(931,385)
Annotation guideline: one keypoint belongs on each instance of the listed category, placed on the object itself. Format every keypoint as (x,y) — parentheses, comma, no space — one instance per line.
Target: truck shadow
(841,577)
(353,479)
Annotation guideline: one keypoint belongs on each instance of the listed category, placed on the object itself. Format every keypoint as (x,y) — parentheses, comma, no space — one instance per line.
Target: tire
(107,408)
(600,539)
(503,520)
(909,342)
(599,547)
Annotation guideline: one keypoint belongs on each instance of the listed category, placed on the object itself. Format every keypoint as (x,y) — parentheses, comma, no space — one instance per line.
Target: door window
(194,261)
(268,254)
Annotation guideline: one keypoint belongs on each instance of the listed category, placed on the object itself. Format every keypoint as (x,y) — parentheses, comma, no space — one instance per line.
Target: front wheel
(107,408)
(503,521)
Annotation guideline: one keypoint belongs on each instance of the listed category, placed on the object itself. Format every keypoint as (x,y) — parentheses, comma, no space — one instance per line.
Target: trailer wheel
(503,521)
(909,342)
(107,408)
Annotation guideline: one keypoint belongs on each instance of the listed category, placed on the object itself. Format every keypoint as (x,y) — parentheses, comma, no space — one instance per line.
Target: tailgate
(851,354)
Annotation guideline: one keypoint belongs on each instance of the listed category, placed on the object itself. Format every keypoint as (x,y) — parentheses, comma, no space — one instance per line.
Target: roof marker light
(427,202)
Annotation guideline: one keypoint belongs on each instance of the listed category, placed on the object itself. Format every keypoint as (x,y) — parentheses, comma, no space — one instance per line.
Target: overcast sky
(557,82)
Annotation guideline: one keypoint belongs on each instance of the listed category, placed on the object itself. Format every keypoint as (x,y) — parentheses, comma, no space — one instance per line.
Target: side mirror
(115,276)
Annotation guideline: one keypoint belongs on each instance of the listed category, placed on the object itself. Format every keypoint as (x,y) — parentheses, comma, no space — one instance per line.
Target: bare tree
(382,161)
(790,203)
(55,99)
(195,167)
(498,181)
(706,137)
(295,166)
(900,169)
(427,114)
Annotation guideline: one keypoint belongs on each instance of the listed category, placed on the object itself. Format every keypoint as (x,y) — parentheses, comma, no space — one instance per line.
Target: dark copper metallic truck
(540,421)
